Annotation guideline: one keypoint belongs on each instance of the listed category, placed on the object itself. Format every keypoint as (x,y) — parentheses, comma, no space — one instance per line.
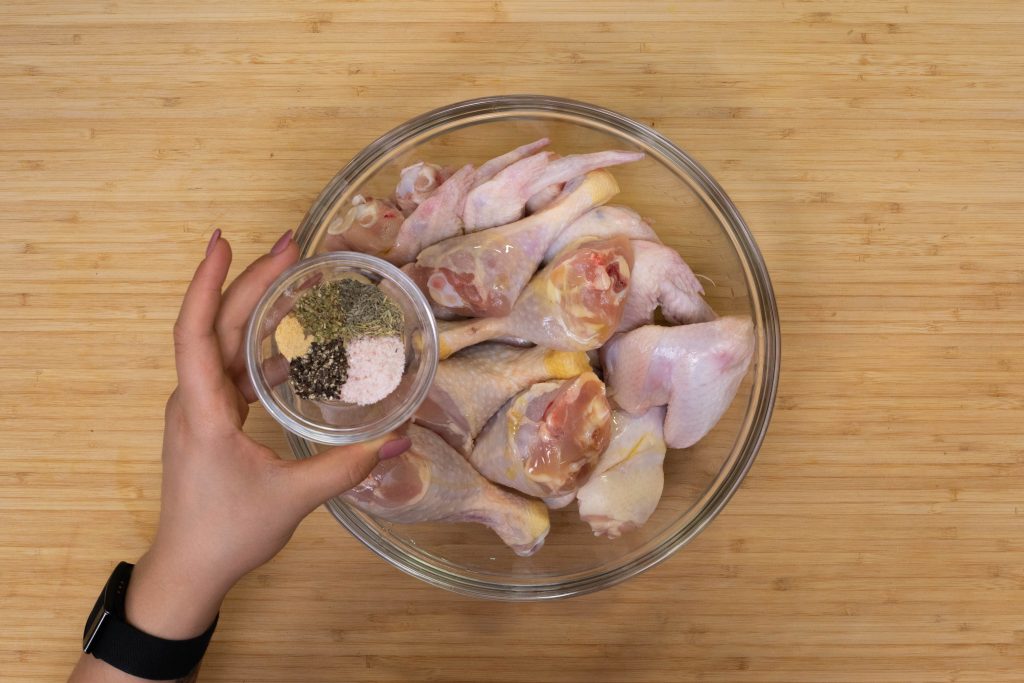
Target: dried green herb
(321,373)
(348,309)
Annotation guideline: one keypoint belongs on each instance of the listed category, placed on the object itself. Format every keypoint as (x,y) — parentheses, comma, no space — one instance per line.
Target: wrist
(168,599)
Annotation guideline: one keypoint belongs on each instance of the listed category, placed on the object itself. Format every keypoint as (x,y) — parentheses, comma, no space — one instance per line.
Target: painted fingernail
(393,449)
(281,244)
(213,241)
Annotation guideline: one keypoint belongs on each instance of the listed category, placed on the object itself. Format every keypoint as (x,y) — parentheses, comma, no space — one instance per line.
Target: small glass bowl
(335,422)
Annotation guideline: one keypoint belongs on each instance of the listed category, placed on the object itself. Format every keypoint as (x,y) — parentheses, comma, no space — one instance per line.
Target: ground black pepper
(320,374)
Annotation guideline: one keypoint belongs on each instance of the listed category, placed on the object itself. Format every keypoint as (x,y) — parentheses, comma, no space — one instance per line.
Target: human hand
(228,503)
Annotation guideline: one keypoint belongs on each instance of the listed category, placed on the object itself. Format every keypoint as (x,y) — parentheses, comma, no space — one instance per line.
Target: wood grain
(877,151)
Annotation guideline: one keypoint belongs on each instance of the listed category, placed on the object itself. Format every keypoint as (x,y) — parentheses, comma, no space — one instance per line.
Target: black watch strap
(109,636)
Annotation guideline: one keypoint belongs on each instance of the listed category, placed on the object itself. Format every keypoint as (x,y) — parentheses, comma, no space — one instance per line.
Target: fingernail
(393,449)
(281,244)
(213,241)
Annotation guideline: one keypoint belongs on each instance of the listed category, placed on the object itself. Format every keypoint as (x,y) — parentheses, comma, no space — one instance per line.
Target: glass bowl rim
(763,397)
(307,429)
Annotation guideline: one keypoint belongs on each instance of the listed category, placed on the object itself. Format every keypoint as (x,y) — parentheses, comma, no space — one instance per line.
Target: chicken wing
(503,199)
(662,279)
(693,369)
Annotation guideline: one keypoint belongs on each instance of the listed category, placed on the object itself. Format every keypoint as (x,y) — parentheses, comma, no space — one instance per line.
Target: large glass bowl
(690,213)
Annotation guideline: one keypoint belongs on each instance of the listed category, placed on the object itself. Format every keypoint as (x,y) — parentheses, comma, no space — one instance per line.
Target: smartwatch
(109,636)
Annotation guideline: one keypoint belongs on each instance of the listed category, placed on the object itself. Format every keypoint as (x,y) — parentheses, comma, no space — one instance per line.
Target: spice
(344,341)
(375,368)
(348,309)
(357,277)
(321,373)
(292,341)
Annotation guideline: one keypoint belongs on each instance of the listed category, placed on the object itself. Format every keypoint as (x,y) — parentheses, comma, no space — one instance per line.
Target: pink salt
(375,367)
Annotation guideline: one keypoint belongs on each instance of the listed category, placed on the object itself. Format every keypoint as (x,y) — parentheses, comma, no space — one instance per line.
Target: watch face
(109,603)
(92,629)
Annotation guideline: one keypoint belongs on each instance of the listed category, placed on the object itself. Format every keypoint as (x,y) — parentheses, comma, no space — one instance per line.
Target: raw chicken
(483,274)
(440,312)
(470,387)
(370,226)
(546,440)
(503,199)
(436,219)
(662,278)
(693,369)
(604,221)
(398,230)
(432,483)
(574,304)
(416,183)
(626,484)
(544,198)
(489,169)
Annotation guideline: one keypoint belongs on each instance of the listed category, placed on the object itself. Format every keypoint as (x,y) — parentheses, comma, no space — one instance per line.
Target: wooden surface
(875,148)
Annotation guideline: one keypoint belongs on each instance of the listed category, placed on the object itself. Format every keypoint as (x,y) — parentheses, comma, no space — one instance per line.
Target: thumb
(336,470)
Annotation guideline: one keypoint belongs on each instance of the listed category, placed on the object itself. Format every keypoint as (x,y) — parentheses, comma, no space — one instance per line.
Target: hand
(228,504)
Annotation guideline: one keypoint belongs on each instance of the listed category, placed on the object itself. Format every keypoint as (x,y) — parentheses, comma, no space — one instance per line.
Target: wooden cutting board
(875,148)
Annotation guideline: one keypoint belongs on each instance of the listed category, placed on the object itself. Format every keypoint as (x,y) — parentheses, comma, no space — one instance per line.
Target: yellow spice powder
(292,340)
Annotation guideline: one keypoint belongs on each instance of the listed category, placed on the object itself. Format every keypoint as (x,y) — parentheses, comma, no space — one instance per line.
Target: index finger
(196,351)
(240,297)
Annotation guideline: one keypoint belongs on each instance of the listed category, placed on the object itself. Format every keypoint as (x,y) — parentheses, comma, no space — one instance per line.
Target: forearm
(169,599)
(91,670)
